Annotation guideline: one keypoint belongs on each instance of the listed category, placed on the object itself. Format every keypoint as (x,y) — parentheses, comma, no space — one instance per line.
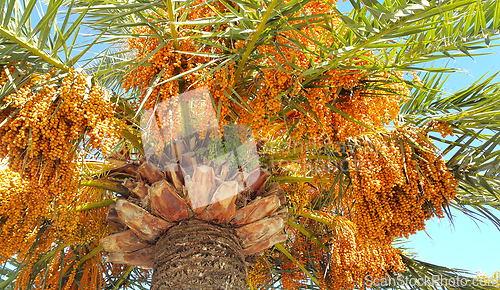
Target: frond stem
(102,203)
(171,19)
(90,255)
(286,179)
(285,251)
(40,53)
(255,37)
(123,277)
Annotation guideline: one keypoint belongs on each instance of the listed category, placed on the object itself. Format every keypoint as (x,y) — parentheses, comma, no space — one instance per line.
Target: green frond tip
(40,53)
(102,203)
(107,184)
(133,139)
(90,255)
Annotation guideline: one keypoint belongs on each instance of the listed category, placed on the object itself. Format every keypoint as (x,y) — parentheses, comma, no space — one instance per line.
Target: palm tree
(117,168)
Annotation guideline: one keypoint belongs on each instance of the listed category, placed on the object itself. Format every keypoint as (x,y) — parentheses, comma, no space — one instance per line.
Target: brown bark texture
(196,255)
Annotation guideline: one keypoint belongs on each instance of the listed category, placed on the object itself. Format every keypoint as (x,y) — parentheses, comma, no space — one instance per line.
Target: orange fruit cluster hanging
(398,186)
(442,127)
(398,182)
(47,124)
(306,113)
(259,276)
(348,259)
(49,117)
(44,212)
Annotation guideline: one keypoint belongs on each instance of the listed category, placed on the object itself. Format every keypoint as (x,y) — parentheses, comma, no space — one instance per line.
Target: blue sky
(462,245)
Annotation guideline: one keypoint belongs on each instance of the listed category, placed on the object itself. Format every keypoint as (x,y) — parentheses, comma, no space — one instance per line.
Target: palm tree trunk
(197,255)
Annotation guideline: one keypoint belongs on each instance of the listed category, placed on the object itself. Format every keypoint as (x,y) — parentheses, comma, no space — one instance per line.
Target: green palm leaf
(473,115)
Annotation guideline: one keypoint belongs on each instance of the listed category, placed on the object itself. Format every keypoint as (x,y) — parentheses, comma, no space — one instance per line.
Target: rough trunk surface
(196,255)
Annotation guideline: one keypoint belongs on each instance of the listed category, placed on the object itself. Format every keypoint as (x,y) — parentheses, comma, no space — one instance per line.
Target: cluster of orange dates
(43,124)
(398,186)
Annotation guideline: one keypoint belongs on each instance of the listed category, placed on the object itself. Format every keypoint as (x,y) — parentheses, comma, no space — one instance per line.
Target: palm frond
(423,275)
(52,42)
(472,115)
(8,273)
